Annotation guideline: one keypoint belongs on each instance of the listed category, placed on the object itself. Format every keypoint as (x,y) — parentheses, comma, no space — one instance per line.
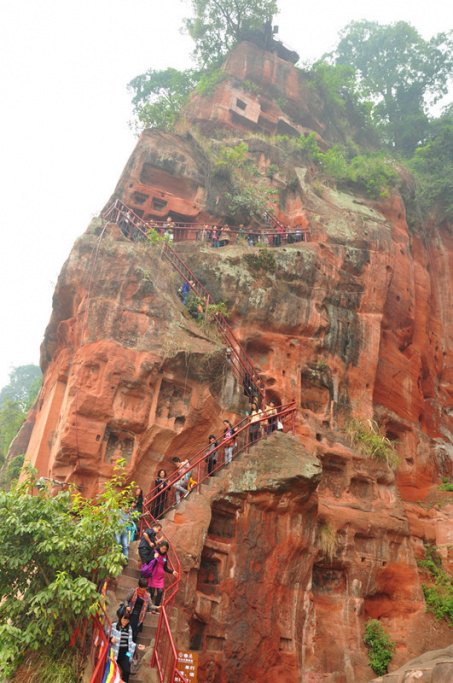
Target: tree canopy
(433,167)
(217,25)
(158,96)
(401,73)
(16,398)
(24,381)
(55,548)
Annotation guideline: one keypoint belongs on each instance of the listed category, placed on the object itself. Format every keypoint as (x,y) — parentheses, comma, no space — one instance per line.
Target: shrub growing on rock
(380,646)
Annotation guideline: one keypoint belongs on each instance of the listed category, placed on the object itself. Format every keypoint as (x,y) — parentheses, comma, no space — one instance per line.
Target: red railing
(273,220)
(164,654)
(239,360)
(156,501)
(100,643)
(101,628)
(127,218)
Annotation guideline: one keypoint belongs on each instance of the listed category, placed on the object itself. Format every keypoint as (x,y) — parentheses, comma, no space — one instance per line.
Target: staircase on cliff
(160,626)
(126,583)
(240,363)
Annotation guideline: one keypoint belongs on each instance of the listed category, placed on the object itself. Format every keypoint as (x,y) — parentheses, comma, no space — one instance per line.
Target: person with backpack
(156,578)
(138,601)
(123,645)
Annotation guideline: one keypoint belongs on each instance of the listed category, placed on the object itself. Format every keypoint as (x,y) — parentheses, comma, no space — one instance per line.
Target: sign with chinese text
(187,665)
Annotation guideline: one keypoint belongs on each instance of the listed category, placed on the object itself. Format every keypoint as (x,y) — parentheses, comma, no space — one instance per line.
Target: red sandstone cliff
(355,322)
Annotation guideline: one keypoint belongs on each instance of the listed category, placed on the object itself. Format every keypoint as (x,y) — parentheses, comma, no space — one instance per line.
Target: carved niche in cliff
(173,405)
(118,445)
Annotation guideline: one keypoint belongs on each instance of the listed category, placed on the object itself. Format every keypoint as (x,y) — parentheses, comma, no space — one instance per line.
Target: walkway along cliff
(288,551)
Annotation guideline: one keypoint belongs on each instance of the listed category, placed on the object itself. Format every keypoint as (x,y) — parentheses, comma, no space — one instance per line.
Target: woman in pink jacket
(156,582)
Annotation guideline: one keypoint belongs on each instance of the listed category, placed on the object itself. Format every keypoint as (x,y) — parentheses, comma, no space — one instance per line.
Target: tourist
(159,502)
(137,510)
(225,235)
(148,542)
(211,454)
(271,412)
(122,536)
(180,485)
(138,602)
(156,582)
(184,290)
(254,429)
(123,645)
(228,435)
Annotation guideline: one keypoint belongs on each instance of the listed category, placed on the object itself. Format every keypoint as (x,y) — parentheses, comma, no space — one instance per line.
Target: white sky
(64,138)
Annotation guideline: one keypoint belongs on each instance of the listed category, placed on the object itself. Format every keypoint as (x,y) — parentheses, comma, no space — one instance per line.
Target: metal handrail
(197,463)
(283,232)
(100,642)
(164,657)
(164,654)
(243,366)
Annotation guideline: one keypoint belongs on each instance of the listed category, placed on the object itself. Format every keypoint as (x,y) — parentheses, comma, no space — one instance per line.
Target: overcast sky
(64,135)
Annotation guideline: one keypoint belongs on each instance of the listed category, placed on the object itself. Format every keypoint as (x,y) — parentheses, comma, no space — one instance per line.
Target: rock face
(432,667)
(282,563)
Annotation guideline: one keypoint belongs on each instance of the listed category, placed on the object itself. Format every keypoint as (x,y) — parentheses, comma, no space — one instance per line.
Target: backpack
(147,568)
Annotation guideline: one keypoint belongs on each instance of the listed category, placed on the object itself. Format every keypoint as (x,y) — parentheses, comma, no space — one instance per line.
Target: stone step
(131,571)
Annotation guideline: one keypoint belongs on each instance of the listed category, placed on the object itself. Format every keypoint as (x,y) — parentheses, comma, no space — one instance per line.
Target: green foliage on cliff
(55,548)
(380,646)
(247,192)
(158,96)
(439,591)
(217,25)
(264,260)
(446,485)
(16,398)
(367,438)
(400,72)
(209,81)
(432,164)
(372,174)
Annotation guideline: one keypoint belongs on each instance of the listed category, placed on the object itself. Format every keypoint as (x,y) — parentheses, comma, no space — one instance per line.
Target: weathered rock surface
(432,667)
(280,571)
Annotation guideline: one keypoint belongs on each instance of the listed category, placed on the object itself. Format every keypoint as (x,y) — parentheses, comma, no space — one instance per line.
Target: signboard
(187,665)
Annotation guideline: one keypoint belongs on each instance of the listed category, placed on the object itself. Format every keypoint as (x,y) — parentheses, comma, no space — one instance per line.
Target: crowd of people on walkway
(153,548)
(217,235)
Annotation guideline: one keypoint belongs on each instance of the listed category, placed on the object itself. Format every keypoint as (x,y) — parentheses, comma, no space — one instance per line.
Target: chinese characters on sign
(187,665)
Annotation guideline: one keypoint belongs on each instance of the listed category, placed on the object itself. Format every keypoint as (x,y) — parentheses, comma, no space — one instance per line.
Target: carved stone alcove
(173,405)
(118,445)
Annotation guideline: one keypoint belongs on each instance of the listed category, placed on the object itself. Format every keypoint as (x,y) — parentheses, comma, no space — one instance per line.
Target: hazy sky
(64,138)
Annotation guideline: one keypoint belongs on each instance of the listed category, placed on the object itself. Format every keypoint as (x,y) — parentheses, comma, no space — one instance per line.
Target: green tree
(23,385)
(433,168)
(11,419)
(15,400)
(401,73)
(55,548)
(217,25)
(158,96)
